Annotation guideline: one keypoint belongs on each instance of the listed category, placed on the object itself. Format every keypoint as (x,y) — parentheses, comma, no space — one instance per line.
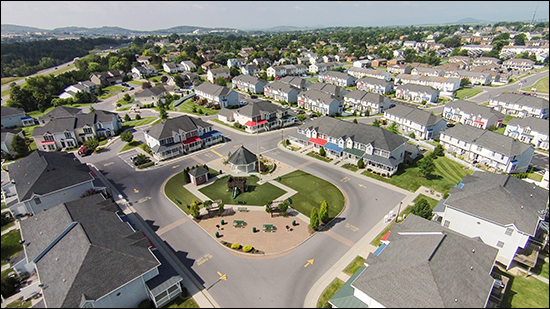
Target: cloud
(299,8)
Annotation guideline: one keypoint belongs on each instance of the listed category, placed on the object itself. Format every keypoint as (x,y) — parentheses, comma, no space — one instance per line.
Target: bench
(269,228)
(238,223)
(242,209)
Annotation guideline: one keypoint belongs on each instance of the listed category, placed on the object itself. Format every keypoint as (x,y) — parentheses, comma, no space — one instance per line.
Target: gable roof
(417,88)
(249,79)
(295,81)
(6,132)
(500,198)
(213,89)
(373,81)
(259,107)
(318,95)
(153,91)
(330,89)
(181,124)
(199,171)
(242,156)
(414,114)
(286,88)
(536,124)
(525,100)
(60,112)
(45,172)
(105,253)
(7,111)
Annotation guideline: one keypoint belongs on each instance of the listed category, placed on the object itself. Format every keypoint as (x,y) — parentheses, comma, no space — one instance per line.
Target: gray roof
(359,132)
(249,79)
(166,278)
(105,253)
(499,198)
(198,171)
(524,100)
(250,67)
(536,124)
(295,81)
(60,112)
(219,70)
(286,88)
(373,81)
(321,96)
(366,96)
(417,88)
(7,111)
(438,269)
(488,139)
(181,124)
(259,107)
(326,88)
(153,91)
(213,89)
(336,74)
(225,112)
(45,172)
(6,132)
(56,125)
(242,156)
(414,114)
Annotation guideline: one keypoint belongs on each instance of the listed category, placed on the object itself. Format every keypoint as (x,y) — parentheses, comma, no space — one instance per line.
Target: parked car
(84,151)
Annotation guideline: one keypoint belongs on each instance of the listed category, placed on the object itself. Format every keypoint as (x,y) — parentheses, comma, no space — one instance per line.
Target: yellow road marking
(214,151)
(175,166)
(136,191)
(309,262)
(222,277)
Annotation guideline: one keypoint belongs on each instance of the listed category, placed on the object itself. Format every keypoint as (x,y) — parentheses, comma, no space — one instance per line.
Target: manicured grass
(27,130)
(8,225)
(10,245)
(467,92)
(541,85)
(124,108)
(4,205)
(7,80)
(446,175)
(225,124)
(129,146)
(174,190)
(500,130)
(507,119)
(184,301)
(541,268)
(136,123)
(331,289)
(318,156)
(62,70)
(106,96)
(187,107)
(19,304)
(524,292)
(354,265)
(136,82)
(115,88)
(535,176)
(351,167)
(5,92)
(312,191)
(256,194)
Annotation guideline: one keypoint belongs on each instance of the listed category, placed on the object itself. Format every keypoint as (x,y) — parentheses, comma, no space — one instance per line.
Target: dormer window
(48,137)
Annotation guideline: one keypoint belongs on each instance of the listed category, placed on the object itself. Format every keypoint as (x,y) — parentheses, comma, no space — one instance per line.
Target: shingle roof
(219,70)
(414,114)
(373,81)
(56,125)
(213,89)
(10,111)
(536,124)
(500,198)
(6,132)
(45,172)
(256,108)
(249,79)
(60,112)
(153,91)
(286,88)
(180,125)
(524,100)
(295,81)
(330,89)
(318,95)
(431,266)
(416,88)
(242,156)
(104,251)
(198,171)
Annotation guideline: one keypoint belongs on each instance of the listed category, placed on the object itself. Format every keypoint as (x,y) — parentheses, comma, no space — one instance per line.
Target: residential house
(380,62)
(450,66)
(276,71)
(280,91)
(530,131)
(493,150)
(399,69)
(321,67)
(144,71)
(219,95)
(188,65)
(208,65)
(87,254)
(43,180)
(380,149)
(302,60)
(236,62)
(375,73)
(472,114)
(482,48)
(486,61)
(520,105)
(520,49)
(298,82)
(260,115)
(445,85)
(59,112)
(328,58)
(464,61)
(14,117)
(319,101)
(249,83)
(72,90)
(250,69)
(152,95)
(502,211)
(439,267)
(376,85)
(180,135)
(333,90)
(212,74)
(422,123)
(7,139)
(190,78)
(170,67)
(427,72)
(107,78)
(397,60)
(143,59)
(416,93)
(365,63)
(337,78)
(518,64)
(362,101)
(409,44)
(261,62)
(476,78)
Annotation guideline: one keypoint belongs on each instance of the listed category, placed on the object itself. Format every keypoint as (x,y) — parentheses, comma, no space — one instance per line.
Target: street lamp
(398,211)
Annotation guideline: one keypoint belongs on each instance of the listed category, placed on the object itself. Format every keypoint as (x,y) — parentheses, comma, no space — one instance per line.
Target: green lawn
(316,155)
(174,190)
(136,123)
(19,304)
(312,191)
(225,124)
(124,108)
(507,119)
(5,92)
(524,292)
(115,88)
(466,93)
(187,107)
(130,145)
(351,167)
(535,176)
(331,289)
(136,82)
(10,245)
(106,96)
(354,265)
(8,225)
(500,130)
(541,85)
(447,174)
(182,302)
(256,194)
(541,268)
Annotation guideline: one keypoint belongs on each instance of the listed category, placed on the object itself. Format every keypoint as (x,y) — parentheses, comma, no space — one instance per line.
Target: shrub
(247,248)
(145,165)
(322,152)
(361,163)
(235,246)
(138,117)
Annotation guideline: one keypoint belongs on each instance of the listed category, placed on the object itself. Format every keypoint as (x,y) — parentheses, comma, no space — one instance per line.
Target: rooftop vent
(473,250)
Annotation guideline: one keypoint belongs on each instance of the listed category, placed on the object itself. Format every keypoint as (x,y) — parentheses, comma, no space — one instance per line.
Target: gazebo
(243,161)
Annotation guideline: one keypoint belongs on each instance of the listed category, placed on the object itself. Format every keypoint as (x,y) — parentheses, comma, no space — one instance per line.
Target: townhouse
(212,74)
(484,147)
(502,211)
(375,73)
(416,93)
(427,71)
(180,135)
(261,62)
(380,62)
(14,117)
(152,95)
(518,64)
(423,124)
(445,85)
(520,105)
(530,131)
(375,85)
(249,83)
(362,101)
(250,69)
(236,62)
(7,138)
(399,69)
(298,82)
(144,71)
(486,61)
(464,61)
(276,71)
(319,101)
(476,78)
(107,78)
(188,66)
(322,67)
(472,114)
(337,78)
(520,49)
(333,90)
(438,267)
(365,63)
(72,90)
(220,95)
(259,115)
(170,67)
(381,150)
(280,91)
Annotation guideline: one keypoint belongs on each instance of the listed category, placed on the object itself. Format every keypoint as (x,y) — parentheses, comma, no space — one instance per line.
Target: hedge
(235,246)
(247,248)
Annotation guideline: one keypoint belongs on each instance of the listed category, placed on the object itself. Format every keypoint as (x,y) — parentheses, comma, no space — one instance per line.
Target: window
(37,201)
(68,135)
(509,231)
(500,244)
(446,223)
(48,137)
(173,288)
(88,130)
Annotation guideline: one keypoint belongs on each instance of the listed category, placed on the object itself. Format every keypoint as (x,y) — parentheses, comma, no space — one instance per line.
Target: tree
(179,81)
(301,117)
(263,75)
(127,117)
(19,145)
(426,167)
(195,210)
(126,137)
(393,127)
(355,120)
(92,144)
(126,97)
(367,112)
(186,176)
(234,72)
(283,207)
(322,152)
(465,82)
(412,135)
(361,163)
(519,39)
(138,117)
(163,114)
(141,159)
(220,80)
(323,213)
(439,151)
(422,209)
(221,208)
(146,85)
(314,219)
(376,123)
(164,79)
(91,110)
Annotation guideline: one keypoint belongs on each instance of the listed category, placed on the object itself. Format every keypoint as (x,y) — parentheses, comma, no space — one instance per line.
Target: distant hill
(15,29)
(470,20)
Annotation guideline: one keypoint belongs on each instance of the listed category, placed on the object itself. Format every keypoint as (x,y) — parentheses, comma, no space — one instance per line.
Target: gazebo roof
(199,171)
(242,156)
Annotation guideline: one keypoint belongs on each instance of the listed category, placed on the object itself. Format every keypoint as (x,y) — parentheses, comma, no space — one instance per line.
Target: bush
(138,117)
(322,152)
(361,163)
(247,248)
(146,165)
(235,246)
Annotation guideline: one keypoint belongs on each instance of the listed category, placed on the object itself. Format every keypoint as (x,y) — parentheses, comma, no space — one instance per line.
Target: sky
(252,15)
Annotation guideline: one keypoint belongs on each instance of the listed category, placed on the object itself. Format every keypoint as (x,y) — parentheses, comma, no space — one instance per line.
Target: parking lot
(127,157)
(539,161)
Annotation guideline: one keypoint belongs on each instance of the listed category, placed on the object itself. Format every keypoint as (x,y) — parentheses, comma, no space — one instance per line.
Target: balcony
(528,255)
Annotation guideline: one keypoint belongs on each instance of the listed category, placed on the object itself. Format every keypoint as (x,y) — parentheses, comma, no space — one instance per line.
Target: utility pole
(398,211)
(533,19)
